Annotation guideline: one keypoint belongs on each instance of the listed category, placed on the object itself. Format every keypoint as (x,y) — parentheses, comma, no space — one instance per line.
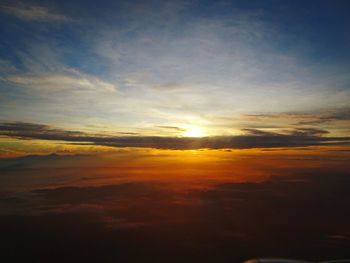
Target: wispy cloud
(336,115)
(6,67)
(60,81)
(301,118)
(35,13)
(173,67)
(174,128)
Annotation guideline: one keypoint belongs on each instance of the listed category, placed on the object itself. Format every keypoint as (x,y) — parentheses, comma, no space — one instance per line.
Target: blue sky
(140,66)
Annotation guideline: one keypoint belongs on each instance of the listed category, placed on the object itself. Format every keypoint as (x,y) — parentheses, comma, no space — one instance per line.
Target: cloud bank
(226,223)
(252,139)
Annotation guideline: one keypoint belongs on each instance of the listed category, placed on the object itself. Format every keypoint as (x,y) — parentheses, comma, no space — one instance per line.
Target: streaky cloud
(253,139)
(36,13)
(303,118)
(59,81)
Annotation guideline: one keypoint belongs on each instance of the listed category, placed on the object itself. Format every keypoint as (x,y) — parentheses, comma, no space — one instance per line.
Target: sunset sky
(172,69)
(177,131)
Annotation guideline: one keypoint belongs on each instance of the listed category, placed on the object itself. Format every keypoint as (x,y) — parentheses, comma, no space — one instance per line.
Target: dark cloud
(336,115)
(98,195)
(23,126)
(128,133)
(342,114)
(32,161)
(303,215)
(171,128)
(258,132)
(254,138)
(36,131)
(289,115)
(308,132)
(291,132)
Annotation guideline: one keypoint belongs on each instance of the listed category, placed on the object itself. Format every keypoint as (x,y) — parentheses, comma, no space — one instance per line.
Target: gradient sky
(175,68)
(174,131)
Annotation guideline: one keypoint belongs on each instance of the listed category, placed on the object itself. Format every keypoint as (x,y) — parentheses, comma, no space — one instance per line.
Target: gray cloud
(257,132)
(35,13)
(174,128)
(342,114)
(309,132)
(254,139)
(339,115)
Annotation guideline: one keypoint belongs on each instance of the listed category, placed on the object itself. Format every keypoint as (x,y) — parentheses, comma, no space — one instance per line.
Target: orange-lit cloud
(252,139)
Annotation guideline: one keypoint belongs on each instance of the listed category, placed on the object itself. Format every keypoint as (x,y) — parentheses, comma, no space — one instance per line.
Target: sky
(174,68)
(174,131)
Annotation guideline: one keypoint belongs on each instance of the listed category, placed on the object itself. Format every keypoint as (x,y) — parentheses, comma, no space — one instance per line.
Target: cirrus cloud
(35,13)
(60,81)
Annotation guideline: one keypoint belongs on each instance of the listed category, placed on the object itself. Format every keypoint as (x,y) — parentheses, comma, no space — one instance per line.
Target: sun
(194,132)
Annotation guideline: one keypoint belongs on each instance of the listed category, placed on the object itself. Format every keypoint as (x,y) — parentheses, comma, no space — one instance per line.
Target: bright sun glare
(194,132)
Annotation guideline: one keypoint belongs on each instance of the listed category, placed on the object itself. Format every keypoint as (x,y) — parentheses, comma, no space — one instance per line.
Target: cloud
(290,132)
(282,115)
(257,132)
(97,195)
(299,214)
(35,13)
(309,132)
(32,130)
(173,128)
(301,118)
(174,86)
(72,80)
(256,138)
(225,56)
(35,161)
(6,66)
(335,115)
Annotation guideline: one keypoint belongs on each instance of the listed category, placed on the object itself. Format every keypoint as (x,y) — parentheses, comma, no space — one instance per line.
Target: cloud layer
(252,139)
(299,214)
